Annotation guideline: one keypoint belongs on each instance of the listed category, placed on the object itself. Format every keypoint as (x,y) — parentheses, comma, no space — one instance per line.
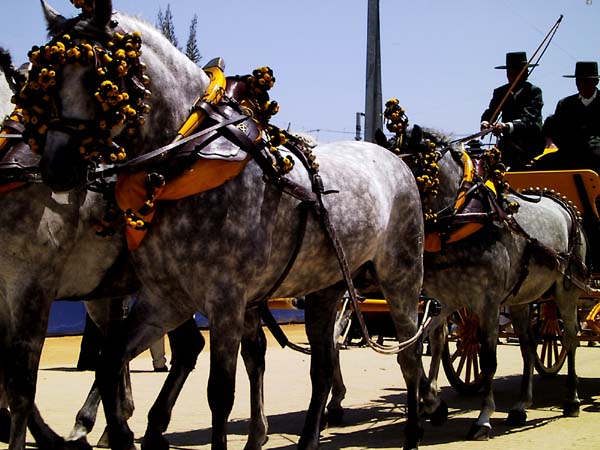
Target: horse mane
(171,73)
(13,76)
(438,137)
(306,138)
(5,60)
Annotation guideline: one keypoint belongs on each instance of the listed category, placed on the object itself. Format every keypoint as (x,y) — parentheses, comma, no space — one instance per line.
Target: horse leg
(437,339)
(225,338)
(434,408)
(4,413)
(254,347)
(86,416)
(519,314)
(186,344)
(124,340)
(47,439)
(335,410)
(21,359)
(4,425)
(319,319)
(488,327)
(413,373)
(566,299)
(102,313)
(572,403)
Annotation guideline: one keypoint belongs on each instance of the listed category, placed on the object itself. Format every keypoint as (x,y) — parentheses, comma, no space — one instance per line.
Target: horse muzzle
(63,169)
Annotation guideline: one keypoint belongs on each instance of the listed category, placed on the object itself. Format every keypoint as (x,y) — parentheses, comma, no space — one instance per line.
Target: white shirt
(587,101)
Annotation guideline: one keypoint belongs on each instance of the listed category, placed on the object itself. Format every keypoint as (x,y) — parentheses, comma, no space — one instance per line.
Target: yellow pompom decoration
(110,65)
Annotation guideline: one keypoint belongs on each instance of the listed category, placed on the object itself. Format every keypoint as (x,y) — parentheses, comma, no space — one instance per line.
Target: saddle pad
(205,174)
(222,148)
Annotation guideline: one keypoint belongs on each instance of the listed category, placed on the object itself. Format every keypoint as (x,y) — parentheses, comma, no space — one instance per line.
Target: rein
(545,43)
(323,214)
(525,68)
(160,154)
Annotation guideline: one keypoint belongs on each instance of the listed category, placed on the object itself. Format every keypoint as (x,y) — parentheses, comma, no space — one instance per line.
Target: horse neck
(176,82)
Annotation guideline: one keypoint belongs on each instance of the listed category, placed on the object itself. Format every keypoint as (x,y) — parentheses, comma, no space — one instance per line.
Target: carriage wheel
(461,353)
(548,328)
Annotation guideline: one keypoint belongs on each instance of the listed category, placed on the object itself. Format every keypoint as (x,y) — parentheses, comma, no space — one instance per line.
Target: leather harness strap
(160,154)
(563,262)
(321,211)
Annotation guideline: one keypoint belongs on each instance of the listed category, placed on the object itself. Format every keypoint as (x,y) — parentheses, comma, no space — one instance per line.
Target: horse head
(86,99)
(436,163)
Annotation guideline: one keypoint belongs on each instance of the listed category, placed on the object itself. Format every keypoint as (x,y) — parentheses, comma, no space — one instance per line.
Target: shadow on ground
(382,422)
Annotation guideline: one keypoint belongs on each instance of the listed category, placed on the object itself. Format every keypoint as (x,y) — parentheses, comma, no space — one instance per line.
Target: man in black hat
(515,114)
(575,125)
(575,129)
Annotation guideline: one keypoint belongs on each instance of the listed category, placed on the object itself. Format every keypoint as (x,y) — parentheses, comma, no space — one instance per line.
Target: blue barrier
(68,318)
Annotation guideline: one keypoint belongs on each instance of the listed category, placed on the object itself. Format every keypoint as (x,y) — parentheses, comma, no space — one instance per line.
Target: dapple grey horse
(43,238)
(6,93)
(37,229)
(39,203)
(514,277)
(222,251)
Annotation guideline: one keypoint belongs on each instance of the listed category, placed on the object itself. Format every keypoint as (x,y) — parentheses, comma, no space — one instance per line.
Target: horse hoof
(308,444)
(571,409)
(439,416)
(516,418)
(254,446)
(413,438)
(335,417)
(4,425)
(79,444)
(154,441)
(479,432)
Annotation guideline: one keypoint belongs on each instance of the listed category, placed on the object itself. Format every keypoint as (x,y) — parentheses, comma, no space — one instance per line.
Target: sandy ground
(375,402)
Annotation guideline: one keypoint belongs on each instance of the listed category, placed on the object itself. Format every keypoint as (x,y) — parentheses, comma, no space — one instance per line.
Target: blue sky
(438,56)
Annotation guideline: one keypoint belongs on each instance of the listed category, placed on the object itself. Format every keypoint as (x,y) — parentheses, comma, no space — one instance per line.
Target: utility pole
(373,104)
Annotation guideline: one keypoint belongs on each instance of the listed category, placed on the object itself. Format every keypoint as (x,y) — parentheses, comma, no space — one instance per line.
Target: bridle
(117,75)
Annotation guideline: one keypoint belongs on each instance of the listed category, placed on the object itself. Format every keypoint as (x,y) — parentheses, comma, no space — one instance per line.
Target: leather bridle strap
(163,152)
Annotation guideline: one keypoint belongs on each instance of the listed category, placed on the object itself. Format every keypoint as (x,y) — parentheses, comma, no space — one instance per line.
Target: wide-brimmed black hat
(515,61)
(585,69)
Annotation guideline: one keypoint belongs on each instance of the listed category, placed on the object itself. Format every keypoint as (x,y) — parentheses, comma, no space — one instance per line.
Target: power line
(324,130)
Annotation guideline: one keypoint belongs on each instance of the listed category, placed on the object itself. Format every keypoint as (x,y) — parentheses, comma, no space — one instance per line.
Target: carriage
(461,354)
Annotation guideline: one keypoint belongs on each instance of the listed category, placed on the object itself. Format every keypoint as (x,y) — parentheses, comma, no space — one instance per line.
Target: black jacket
(575,129)
(525,112)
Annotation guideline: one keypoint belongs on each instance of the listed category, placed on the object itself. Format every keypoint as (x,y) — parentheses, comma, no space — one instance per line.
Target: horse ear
(54,20)
(380,138)
(102,12)
(416,136)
